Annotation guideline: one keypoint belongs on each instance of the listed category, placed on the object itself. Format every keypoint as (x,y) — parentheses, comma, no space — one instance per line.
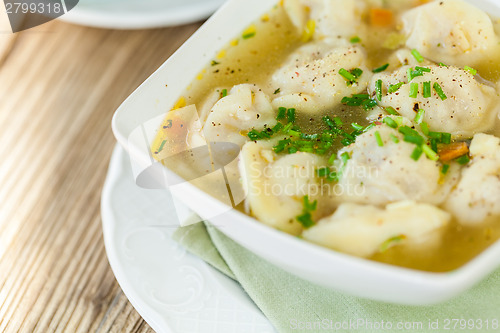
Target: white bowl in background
(144,110)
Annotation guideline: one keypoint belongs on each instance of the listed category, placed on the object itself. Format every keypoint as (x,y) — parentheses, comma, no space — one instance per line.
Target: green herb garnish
(439,91)
(470,70)
(417,55)
(395,87)
(413,90)
(380,69)
(306,218)
(427,89)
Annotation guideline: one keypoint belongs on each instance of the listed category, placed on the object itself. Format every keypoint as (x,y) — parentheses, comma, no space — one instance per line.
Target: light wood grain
(59,86)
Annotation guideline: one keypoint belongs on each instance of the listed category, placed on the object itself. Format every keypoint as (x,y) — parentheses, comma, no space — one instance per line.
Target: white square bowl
(142,113)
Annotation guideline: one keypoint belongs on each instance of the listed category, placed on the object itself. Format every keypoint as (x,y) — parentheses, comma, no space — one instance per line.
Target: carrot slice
(452,151)
(381,17)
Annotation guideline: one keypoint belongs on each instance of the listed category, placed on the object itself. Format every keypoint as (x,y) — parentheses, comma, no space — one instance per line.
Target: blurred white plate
(174,291)
(140,14)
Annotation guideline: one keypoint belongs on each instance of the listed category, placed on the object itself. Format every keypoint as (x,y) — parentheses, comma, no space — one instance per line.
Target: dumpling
(477,196)
(451,31)
(362,230)
(470,106)
(329,20)
(383,174)
(309,80)
(245,107)
(275,185)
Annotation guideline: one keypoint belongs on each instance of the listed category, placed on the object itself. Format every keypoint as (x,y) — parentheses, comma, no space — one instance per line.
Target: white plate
(140,14)
(174,291)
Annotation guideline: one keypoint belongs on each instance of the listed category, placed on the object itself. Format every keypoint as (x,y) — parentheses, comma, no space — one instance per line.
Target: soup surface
(372,131)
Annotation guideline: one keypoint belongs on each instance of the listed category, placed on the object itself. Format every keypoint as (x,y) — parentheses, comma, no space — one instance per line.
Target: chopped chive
(277,127)
(355,40)
(417,55)
(442,64)
(277,91)
(413,90)
(380,143)
(378,89)
(351,101)
(390,110)
(357,127)
(424,127)
(416,139)
(431,154)
(398,120)
(386,245)
(281,113)
(294,133)
(162,145)
(427,89)
(292,150)
(422,69)
(214,63)
(332,159)
(361,96)
(409,74)
(345,157)
(406,130)
(417,152)
(380,69)
(446,138)
(395,87)
(394,138)
(434,145)
(470,70)
(287,128)
(390,122)
(369,104)
(224,93)
(254,135)
(420,116)
(306,218)
(338,122)
(463,160)
(323,172)
(356,72)
(291,115)
(439,91)
(435,135)
(369,127)
(445,168)
(347,75)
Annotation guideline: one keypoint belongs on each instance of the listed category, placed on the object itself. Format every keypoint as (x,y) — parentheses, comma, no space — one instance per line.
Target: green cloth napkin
(295,305)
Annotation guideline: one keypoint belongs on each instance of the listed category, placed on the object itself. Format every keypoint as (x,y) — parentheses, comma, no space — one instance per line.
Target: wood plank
(60,86)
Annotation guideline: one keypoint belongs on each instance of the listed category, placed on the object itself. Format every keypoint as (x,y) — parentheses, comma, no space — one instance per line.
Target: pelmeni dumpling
(383,174)
(333,18)
(275,185)
(362,230)
(309,80)
(244,108)
(470,106)
(451,31)
(477,196)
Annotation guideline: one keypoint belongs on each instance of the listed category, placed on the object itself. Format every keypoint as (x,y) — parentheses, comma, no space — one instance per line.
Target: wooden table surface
(59,86)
